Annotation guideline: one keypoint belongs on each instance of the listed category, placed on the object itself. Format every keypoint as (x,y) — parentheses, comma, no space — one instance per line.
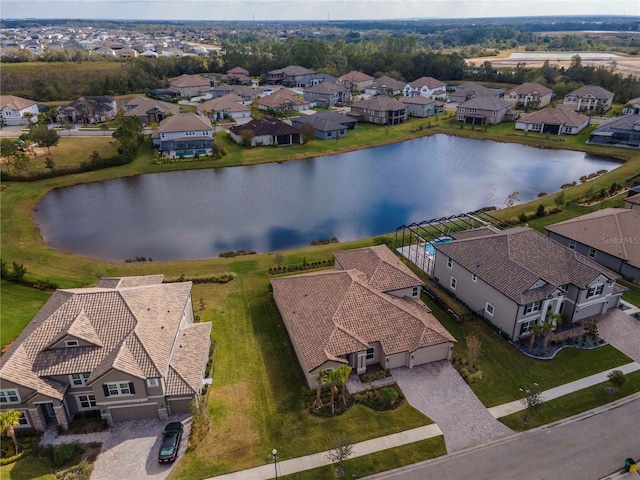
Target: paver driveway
(439,392)
(622,331)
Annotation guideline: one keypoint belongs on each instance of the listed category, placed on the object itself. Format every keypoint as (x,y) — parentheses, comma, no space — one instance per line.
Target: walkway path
(442,395)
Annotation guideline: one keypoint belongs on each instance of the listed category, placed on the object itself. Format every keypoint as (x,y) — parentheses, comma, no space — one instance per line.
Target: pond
(200,213)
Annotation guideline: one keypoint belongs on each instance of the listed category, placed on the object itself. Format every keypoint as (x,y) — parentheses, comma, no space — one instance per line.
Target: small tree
(202,305)
(616,379)
(540,211)
(9,419)
(42,136)
(510,201)
(49,163)
(532,399)
(247,136)
(278,258)
(321,379)
(18,272)
(342,449)
(473,348)
(559,199)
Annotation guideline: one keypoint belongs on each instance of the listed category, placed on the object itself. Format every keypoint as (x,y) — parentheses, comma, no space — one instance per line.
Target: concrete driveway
(438,391)
(622,331)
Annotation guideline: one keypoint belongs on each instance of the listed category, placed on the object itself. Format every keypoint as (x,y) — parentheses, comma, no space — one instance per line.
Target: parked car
(170,442)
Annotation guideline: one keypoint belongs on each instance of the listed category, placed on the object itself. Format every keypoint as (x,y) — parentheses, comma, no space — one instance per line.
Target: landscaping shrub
(380,399)
(370,377)
(65,454)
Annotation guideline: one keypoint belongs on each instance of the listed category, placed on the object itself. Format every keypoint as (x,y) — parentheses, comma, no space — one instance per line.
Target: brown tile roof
(282,97)
(388,82)
(231,102)
(555,116)
(291,70)
(384,271)
(355,76)
(141,106)
(190,352)
(512,261)
(183,122)
(474,233)
(615,231)
(635,199)
(528,88)
(486,102)
(15,103)
(190,81)
(429,82)
(594,90)
(380,103)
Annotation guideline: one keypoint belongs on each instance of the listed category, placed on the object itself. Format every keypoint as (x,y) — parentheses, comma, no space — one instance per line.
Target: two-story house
(590,98)
(427,87)
(529,95)
(291,76)
(150,110)
(16,111)
(366,311)
(265,131)
(283,100)
(327,94)
(237,75)
(469,90)
(89,110)
(380,109)
(188,86)
(484,109)
(127,348)
(355,81)
(184,135)
(385,86)
(422,107)
(515,277)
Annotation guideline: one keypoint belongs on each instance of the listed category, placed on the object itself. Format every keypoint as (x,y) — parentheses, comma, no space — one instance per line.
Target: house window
(414,293)
(23,421)
(526,327)
(489,309)
(592,253)
(594,291)
(449,262)
(72,343)
(453,283)
(572,244)
(532,307)
(473,110)
(118,388)
(9,396)
(474,277)
(79,378)
(152,382)
(370,353)
(86,402)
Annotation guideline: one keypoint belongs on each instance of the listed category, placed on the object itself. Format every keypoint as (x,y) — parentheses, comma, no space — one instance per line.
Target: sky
(307,9)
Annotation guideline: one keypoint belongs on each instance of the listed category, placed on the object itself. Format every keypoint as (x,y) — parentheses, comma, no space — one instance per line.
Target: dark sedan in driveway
(170,442)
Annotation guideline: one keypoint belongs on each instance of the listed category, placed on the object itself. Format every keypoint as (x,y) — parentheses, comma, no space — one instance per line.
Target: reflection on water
(200,213)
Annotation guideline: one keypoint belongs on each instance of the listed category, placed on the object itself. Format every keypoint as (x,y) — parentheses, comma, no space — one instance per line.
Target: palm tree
(337,378)
(552,321)
(536,330)
(8,420)
(321,379)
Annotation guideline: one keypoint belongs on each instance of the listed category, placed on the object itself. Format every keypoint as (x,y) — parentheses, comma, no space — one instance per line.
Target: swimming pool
(429,247)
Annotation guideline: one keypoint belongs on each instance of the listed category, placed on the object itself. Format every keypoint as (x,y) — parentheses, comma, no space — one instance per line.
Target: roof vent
(162,327)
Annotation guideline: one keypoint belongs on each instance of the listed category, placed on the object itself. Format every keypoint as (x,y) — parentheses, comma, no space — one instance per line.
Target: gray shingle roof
(594,90)
(529,88)
(486,102)
(380,103)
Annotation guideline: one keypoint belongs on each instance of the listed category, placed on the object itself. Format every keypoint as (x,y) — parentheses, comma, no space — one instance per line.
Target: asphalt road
(586,447)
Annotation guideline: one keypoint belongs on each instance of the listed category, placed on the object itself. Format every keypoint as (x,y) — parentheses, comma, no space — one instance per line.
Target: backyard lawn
(18,305)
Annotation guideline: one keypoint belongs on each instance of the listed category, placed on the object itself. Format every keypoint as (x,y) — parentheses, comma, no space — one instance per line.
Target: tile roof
(130,324)
(380,103)
(635,199)
(15,103)
(388,82)
(429,82)
(355,76)
(266,126)
(185,80)
(615,231)
(191,351)
(183,122)
(319,123)
(471,88)
(231,102)
(556,116)
(282,97)
(528,88)
(486,102)
(325,88)
(291,70)
(513,261)
(626,122)
(594,90)
(141,106)
(417,100)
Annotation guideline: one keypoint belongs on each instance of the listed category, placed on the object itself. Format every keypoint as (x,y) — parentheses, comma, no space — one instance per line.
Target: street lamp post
(274,452)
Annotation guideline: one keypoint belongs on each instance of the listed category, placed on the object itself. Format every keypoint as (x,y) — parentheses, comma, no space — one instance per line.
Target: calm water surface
(200,213)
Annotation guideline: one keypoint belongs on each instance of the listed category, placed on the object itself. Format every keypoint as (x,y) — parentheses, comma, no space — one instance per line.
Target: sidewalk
(287,467)
(631,308)
(517,406)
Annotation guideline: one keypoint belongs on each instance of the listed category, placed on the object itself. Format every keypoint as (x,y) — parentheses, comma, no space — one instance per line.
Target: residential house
(16,111)
(610,236)
(324,128)
(633,198)
(621,132)
(468,90)
(188,86)
(355,81)
(632,107)
(350,123)
(184,135)
(149,54)
(89,110)
(283,100)
(380,109)
(322,77)
(266,131)
(485,110)
(237,75)
(555,121)
(127,348)
(327,94)
(529,95)
(230,106)
(126,53)
(590,98)
(248,94)
(366,311)
(422,107)
(291,76)
(514,277)
(385,86)
(150,110)
(427,87)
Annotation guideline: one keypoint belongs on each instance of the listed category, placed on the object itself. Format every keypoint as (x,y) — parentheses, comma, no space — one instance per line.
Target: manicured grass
(379,461)
(27,468)
(506,369)
(632,295)
(572,404)
(18,305)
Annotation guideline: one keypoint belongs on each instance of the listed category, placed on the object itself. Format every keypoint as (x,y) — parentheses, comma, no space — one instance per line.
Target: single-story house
(266,131)
(355,81)
(610,236)
(327,94)
(427,87)
(366,311)
(283,100)
(469,90)
(221,108)
(237,75)
(485,109)
(184,135)
(385,86)
(347,121)
(150,109)
(380,109)
(621,132)
(516,276)
(127,348)
(162,93)
(17,110)
(248,94)
(555,121)
(324,128)
(89,110)
(422,107)
(591,98)
(529,95)
(632,107)
(291,76)
(191,85)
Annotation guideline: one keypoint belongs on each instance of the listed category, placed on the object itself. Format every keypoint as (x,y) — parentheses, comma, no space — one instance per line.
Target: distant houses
(355,81)
(529,94)
(590,98)
(291,76)
(385,86)
(327,94)
(427,87)
(150,110)
(555,121)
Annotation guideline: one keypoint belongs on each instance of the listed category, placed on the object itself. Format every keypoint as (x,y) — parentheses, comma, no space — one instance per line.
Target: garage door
(180,406)
(134,413)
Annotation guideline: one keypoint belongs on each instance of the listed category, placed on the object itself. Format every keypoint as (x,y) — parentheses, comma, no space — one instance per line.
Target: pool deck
(417,255)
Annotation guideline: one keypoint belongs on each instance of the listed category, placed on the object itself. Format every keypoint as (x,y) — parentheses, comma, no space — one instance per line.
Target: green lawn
(632,295)
(18,305)
(28,468)
(572,404)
